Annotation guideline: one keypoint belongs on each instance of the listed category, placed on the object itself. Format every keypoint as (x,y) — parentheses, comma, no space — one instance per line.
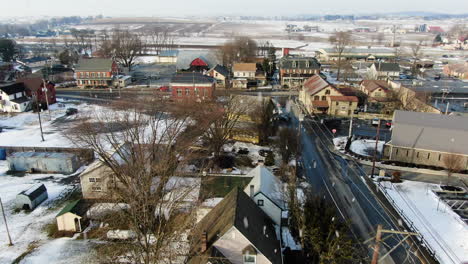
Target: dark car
(264,152)
(71,111)
(243,151)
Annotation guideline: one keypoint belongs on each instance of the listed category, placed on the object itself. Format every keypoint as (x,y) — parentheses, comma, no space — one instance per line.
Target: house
(384,71)
(436,29)
(95,72)
(34,84)
(95,181)
(428,139)
(193,86)
(294,71)
(265,189)
(236,230)
(50,162)
(244,70)
(380,95)
(167,57)
(32,197)
(72,218)
(13,98)
(122,81)
(316,95)
(220,74)
(332,54)
(458,70)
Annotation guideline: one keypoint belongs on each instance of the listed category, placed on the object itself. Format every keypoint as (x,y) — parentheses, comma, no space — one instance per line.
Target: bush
(243,161)
(270,159)
(396,177)
(52,230)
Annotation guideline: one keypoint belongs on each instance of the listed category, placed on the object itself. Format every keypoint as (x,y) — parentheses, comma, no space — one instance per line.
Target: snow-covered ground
(365,147)
(28,227)
(443,229)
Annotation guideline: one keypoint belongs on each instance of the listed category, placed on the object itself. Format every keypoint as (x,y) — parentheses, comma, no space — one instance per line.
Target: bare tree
(416,55)
(82,38)
(160,39)
(288,144)
(124,46)
(261,115)
(340,40)
(143,147)
(241,49)
(453,163)
(221,119)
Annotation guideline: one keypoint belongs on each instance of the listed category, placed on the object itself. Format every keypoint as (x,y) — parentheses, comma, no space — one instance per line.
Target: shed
(71,218)
(32,197)
(50,162)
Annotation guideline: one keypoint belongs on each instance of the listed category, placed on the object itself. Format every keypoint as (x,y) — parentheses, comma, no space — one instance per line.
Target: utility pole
(44,89)
(378,239)
(374,157)
(38,108)
(6,225)
(351,125)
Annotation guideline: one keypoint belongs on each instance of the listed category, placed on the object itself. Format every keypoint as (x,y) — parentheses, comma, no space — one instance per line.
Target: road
(343,183)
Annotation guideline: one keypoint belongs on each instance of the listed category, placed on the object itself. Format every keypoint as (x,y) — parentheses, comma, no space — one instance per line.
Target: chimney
(204,242)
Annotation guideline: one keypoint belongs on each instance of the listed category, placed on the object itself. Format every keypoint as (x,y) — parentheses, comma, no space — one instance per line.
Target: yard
(219,186)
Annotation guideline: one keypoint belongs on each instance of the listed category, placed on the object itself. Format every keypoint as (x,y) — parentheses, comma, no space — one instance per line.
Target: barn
(198,65)
(32,197)
(72,217)
(50,162)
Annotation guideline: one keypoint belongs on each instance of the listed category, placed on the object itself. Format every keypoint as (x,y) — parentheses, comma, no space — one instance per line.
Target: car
(243,151)
(264,152)
(71,111)
(388,124)
(375,122)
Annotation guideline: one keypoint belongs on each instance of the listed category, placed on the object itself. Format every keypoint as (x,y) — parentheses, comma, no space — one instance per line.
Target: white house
(384,71)
(13,98)
(235,231)
(266,190)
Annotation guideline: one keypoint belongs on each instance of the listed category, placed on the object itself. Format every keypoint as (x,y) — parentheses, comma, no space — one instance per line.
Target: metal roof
(94,64)
(387,67)
(185,57)
(445,133)
(77,207)
(191,77)
(301,63)
(34,191)
(51,155)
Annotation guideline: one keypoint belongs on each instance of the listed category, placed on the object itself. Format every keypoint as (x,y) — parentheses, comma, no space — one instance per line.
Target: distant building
(384,71)
(29,199)
(36,62)
(193,86)
(331,54)
(459,70)
(196,60)
(244,70)
(50,162)
(13,98)
(436,30)
(236,230)
(295,70)
(95,72)
(319,96)
(428,139)
(167,57)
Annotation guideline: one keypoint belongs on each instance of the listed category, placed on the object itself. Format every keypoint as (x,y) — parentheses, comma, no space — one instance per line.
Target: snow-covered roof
(265,182)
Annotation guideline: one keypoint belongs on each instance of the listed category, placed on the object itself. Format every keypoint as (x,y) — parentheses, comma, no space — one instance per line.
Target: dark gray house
(50,162)
(32,197)
(427,139)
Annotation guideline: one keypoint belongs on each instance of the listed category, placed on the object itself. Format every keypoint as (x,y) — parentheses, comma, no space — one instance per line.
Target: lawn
(219,186)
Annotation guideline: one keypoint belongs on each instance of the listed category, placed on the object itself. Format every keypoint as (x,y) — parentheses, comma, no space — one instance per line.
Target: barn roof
(34,191)
(186,57)
(199,62)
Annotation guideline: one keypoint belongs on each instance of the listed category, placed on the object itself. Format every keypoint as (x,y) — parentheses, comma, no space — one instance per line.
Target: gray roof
(387,67)
(51,155)
(191,77)
(221,70)
(169,53)
(34,191)
(13,88)
(94,64)
(186,57)
(238,210)
(301,63)
(445,133)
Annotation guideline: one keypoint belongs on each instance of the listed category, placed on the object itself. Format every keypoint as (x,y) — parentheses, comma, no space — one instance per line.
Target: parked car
(71,111)
(388,124)
(264,152)
(375,122)
(243,151)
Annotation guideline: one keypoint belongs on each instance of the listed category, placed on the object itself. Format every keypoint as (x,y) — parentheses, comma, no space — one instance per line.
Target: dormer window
(327,91)
(249,255)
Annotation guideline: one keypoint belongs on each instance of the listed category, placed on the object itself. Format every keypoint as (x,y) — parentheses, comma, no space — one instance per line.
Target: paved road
(342,182)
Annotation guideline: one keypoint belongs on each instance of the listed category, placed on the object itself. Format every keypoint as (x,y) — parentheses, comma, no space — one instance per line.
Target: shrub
(270,159)
(243,161)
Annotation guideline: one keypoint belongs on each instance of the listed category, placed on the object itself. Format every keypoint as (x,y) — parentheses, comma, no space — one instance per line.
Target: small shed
(48,162)
(72,217)
(32,197)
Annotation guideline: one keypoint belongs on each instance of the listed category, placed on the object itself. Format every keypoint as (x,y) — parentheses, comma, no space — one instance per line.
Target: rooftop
(34,191)
(192,77)
(252,67)
(94,64)
(13,88)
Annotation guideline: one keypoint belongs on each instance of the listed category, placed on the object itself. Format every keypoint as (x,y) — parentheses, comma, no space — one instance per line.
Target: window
(243,74)
(294,64)
(428,155)
(92,74)
(407,153)
(337,103)
(92,179)
(187,91)
(324,98)
(396,152)
(350,103)
(179,92)
(249,255)
(260,202)
(440,156)
(316,97)
(250,259)
(96,188)
(307,64)
(216,74)
(98,179)
(327,91)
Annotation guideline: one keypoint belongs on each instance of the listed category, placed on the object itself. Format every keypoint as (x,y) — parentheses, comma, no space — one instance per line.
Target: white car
(375,122)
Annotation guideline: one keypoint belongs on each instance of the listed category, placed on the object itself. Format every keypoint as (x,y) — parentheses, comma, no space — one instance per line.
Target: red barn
(34,89)
(198,65)
(193,85)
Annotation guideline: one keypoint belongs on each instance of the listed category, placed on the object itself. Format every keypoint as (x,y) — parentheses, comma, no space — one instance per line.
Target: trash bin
(2,154)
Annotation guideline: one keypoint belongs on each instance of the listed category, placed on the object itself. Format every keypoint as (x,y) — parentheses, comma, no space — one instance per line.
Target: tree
(241,49)
(288,144)
(160,39)
(8,49)
(124,46)
(270,159)
(294,208)
(68,57)
(82,39)
(416,55)
(340,40)
(221,120)
(325,238)
(438,39)
(380,38)
(143,146)
(453,163)
(261,115)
